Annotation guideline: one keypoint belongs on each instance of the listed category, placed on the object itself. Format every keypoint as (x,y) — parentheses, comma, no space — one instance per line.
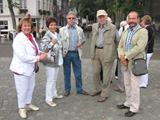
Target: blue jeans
(76,63)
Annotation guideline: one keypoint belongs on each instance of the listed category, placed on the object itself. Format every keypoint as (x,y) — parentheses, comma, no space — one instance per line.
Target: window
(3,26)
(23,4)
(1,6)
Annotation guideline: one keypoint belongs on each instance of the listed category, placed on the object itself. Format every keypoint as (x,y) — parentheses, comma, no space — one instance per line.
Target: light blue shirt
(129,37)
(73,35)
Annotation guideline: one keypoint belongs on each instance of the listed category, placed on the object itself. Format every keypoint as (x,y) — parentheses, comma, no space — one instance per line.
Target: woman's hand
(54,41)
(42,55)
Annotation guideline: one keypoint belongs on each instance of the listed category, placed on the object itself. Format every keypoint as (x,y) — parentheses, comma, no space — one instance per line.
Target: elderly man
(103,53)
(132,46)
(72,38)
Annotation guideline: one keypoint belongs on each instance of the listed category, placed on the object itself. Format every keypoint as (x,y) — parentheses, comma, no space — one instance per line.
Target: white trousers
(144,78)
(24,87)
(131,83)
(51,90)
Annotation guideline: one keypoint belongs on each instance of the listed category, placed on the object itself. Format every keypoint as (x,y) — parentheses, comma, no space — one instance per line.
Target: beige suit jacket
(138,44)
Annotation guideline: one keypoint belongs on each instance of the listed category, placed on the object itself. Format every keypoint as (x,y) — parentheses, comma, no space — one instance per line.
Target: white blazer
(24,55)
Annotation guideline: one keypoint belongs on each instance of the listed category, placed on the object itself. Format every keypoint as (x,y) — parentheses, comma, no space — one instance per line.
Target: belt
(73,51)
(99,47)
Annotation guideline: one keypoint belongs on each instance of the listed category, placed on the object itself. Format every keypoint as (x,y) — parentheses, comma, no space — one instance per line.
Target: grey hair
(71,12)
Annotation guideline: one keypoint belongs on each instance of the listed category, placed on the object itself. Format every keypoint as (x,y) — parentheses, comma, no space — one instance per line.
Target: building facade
(39,10)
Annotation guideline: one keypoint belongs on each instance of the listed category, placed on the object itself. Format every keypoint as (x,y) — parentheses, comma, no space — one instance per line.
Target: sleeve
(120,47)
(120,31)
(117,39)
(83,37)
(140,46)
(62,40)
(46,43)
(19,49)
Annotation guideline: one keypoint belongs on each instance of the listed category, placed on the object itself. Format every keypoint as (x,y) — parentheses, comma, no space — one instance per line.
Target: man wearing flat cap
(103,53)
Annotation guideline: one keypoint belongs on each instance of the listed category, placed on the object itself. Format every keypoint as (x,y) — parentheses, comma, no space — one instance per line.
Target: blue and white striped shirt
(129,37)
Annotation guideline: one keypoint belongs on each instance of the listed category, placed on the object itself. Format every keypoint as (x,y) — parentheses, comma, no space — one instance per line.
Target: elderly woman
(50,41)
(24,62)
(146,23)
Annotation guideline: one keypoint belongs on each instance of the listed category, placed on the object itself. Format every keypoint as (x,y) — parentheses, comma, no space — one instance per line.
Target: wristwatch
(125,58)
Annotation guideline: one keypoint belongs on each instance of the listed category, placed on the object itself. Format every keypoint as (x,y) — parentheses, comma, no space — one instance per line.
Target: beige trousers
(131,83)
(97,63)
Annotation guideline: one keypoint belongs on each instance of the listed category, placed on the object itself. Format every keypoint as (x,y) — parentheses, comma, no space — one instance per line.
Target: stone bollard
(2,40)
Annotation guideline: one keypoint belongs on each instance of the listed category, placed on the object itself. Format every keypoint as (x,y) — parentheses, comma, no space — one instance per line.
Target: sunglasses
(71,18)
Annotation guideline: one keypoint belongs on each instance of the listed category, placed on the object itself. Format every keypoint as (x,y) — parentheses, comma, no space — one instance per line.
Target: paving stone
(75,106)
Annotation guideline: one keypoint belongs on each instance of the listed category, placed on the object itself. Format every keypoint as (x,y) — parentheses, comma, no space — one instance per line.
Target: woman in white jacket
(24,64)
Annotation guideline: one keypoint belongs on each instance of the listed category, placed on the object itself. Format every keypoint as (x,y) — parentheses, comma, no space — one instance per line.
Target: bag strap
(150,39)
(146,49)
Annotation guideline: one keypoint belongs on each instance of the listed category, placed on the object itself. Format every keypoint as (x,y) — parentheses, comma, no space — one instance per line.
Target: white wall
(32,6)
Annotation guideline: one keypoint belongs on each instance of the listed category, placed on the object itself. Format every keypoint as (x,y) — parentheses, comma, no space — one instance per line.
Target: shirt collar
(134,28)
(104,26)
(146,26)
(30,37)
(74,26)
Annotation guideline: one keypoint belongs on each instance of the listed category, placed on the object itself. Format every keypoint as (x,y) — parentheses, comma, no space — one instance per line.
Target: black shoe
(122,106)
(66,93)
(83,93)
(129,114)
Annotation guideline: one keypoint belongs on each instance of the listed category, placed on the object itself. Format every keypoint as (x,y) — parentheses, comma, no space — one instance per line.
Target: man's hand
(54,41)
(64,54)
(125,63)
(79,44)
(122,58)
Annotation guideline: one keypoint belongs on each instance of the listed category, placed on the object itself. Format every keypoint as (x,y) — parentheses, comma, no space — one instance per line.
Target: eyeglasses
(71,18)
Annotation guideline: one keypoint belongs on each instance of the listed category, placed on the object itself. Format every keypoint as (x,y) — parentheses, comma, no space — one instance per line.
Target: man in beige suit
(103,53)
(132,46)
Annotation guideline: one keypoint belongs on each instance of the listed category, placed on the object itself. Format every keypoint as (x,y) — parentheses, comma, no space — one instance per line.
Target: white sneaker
(32,107)
(52,104)
(23,112)
(59,96)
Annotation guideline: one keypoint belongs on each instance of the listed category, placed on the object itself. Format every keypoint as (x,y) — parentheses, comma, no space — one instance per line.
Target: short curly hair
(147,19)
(25,19)
(50,20)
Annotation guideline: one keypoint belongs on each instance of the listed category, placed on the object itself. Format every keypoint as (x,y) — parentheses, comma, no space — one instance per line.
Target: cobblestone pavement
(75,106)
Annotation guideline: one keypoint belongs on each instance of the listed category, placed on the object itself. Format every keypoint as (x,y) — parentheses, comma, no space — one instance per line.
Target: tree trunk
(12,14)
(13,18)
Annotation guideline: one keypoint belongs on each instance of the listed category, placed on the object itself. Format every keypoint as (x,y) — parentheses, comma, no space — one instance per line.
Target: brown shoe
(66,93)
(94,93)
(102,99)
(83,93)
(118,90)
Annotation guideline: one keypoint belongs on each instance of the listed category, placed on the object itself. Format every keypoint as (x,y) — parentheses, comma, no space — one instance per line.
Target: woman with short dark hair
(50,41)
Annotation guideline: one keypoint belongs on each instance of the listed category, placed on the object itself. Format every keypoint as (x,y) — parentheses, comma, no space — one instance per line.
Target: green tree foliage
(131,5)
(90,7)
